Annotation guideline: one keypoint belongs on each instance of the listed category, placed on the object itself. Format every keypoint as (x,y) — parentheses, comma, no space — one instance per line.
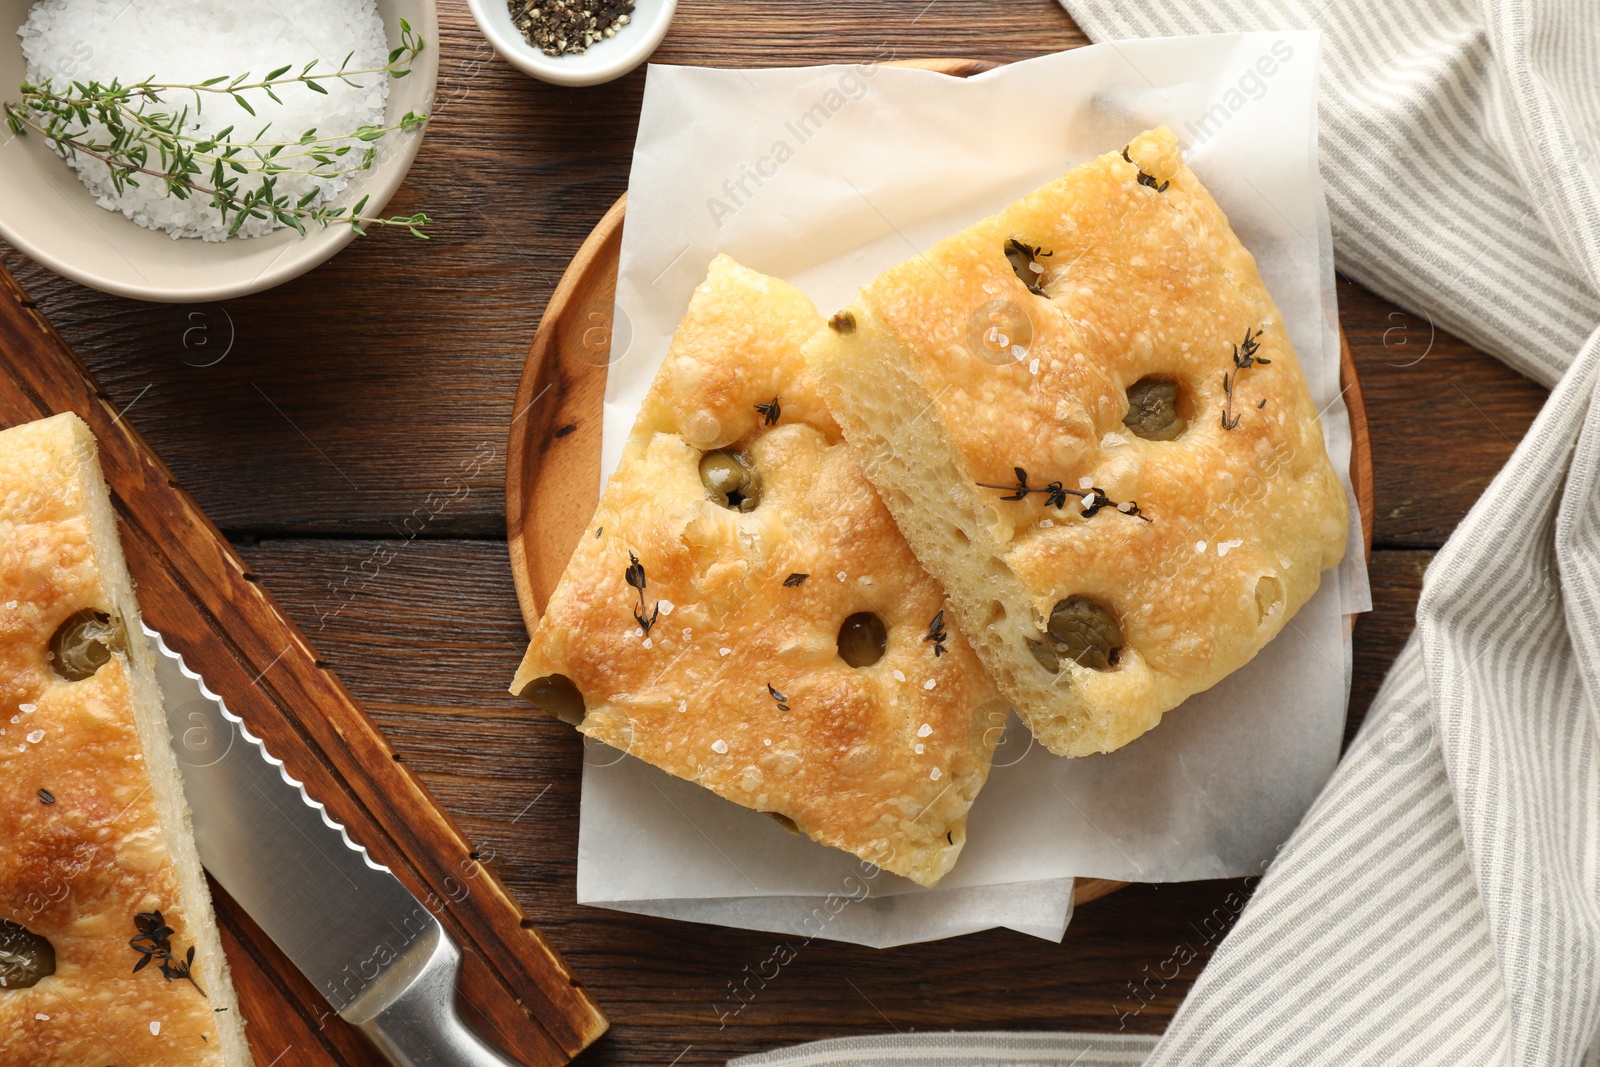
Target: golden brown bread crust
(76,871)
(955,374)
(882,761)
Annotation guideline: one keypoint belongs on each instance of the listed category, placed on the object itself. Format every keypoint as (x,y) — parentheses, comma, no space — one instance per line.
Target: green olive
(862,639)
(783,821)
(1085,632)
(1153,410)
(731,479)
(25,957)
(1045,655)
(556,695)
(84,643)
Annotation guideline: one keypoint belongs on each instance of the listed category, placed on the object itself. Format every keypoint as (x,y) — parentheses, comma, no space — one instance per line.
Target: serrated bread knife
(367,944)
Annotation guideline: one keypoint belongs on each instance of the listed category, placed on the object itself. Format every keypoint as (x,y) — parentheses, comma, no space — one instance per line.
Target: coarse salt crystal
(767,741)
(1088,500)
(1125,507)
(35,737)
(725,651)
(155,1027)
(719,746)
(924,730)
(936,774)
(11,604)
(1036,268)
(41,1016)
(929,684)
(1223,547)
(687,633)
(28,707)
(683,706)
(843,576)
(1018,351)
(1199,546)
(1047,524)
(665,606)
(919,747)
(1033,365)
(649,642)
(899,675)
(1085,483)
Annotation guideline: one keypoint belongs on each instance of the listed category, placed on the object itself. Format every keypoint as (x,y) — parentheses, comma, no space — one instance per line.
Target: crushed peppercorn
(569,27)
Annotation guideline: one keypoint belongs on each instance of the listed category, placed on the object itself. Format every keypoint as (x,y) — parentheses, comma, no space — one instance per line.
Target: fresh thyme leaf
(1146,179)
(770,411)
(1092,499)
(795,580)
(154,942)
(1244,357)
(936,633)
(46,797)
(783,701)
(634,576)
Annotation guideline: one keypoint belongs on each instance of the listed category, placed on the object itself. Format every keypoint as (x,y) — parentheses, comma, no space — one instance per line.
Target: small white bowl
(604,61)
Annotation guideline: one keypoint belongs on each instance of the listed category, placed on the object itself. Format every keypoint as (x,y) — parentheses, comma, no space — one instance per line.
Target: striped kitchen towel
(1440,904)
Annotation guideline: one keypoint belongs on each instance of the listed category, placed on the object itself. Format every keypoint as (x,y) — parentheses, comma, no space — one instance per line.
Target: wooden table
(326,426)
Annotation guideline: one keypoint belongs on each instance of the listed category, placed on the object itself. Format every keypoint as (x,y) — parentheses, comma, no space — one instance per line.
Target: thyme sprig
(136,133)
(770,411)
(1092,499)
(155,943)
(937,634)
(1244,357)
(634,576)
(1147,179)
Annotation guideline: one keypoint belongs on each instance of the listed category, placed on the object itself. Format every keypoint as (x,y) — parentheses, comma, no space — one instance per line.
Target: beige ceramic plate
(47,213)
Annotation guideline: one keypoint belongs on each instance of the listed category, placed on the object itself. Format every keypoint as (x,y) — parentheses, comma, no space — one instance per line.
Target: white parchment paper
(826,176)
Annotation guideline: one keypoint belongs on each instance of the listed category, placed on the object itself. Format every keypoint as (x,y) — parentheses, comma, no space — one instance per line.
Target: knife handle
(419,1027)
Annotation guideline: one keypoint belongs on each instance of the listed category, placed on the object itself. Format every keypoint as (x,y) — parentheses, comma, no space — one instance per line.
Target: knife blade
(377,954)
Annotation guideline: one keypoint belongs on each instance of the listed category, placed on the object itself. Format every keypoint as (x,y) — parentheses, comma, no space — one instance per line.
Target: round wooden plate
(553,455)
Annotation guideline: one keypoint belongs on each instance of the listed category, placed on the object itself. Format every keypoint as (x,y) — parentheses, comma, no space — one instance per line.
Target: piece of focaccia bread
(1087,418)
(744,614)
(98,870)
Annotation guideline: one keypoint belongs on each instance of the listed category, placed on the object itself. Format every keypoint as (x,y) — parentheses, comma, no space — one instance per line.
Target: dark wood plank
(1443,417)
(429,643)
(201,596)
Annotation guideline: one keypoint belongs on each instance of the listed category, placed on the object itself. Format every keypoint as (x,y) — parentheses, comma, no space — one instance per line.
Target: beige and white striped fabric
(1440,904)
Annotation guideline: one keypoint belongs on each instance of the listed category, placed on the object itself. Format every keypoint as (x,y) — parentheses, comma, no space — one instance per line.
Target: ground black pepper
(569,27)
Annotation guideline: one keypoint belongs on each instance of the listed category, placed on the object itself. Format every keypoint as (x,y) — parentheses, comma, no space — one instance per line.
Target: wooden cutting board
(193,587)
(553,455)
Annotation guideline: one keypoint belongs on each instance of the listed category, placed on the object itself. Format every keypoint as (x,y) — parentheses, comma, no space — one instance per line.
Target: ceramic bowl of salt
(140,241)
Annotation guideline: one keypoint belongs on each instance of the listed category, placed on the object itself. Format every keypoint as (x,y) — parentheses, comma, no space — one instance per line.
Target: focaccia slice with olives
(109,951)
(742,612)
(1087,418)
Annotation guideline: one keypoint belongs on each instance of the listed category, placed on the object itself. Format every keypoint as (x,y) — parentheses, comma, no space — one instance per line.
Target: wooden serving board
(193,587)
(553,455)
